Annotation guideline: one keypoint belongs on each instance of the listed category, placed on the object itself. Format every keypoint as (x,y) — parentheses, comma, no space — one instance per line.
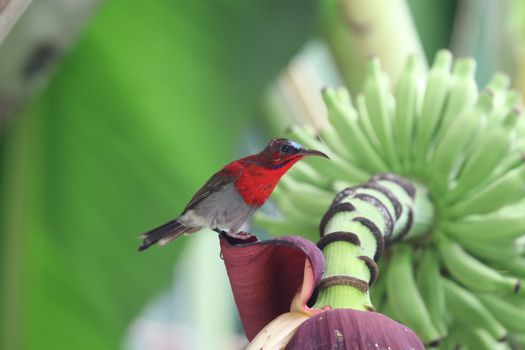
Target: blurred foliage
(150,102)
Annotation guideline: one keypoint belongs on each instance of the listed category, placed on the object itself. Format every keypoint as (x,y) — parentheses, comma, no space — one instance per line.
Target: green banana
(512,112)
(498,83)
(388,310)
(493,251)
(339,185)
(498,87)
(429,281)
(502,191)
(470,271)
(366,126)
(304,172)
(307,197)
(331,169)
(512,160)
(512,265)
(517,341)
(511,100)
(481,163)
(520,128)
(448,343)
(450,150)
(378,102)
(404,296)
(509,315)
(343,117)
(333,140)
(478,339)
(467,308)
(462,95)
(407,94)
(436,92)
(294,213)
(517,300)
(507,223)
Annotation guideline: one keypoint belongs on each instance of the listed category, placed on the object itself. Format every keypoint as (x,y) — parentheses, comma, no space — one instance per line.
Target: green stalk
(354,230)
(356,30)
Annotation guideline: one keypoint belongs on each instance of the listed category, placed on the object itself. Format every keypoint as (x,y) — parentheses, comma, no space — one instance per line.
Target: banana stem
(354,230)
(356,30)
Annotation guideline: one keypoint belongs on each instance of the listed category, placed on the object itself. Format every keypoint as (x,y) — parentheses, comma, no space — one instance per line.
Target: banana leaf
(148,104)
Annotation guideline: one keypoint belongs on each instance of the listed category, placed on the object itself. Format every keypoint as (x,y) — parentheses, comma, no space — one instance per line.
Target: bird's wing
(214,184)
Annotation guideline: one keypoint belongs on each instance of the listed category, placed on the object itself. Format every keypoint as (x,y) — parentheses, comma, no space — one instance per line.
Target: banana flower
(273,282)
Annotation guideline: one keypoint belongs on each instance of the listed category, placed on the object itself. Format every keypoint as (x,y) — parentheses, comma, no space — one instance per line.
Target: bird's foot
(219,231)
(240,234)
(237,237)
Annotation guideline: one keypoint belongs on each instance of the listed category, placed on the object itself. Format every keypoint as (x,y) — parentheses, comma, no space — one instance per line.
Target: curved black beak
(312,152)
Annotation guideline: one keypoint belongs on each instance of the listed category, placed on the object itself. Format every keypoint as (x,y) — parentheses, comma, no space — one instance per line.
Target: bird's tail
(163,234)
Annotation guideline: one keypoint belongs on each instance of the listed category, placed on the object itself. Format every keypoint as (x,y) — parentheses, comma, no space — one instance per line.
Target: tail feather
(163,234)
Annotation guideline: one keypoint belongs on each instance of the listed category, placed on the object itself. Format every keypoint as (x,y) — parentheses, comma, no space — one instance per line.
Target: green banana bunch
(458,279)
(432,289)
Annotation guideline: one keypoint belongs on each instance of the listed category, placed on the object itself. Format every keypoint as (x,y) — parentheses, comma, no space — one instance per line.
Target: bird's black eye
(286,149)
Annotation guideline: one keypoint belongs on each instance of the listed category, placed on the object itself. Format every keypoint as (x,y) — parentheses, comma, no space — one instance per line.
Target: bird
(232,194)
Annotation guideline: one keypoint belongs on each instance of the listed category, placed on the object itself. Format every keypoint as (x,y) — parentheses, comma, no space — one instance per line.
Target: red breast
(256,183)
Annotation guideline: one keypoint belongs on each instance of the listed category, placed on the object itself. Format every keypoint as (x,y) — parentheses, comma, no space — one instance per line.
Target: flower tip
(488,91)
(465,67)
(434,343)
(374,65)
(499,81)
(443,59)
(412,63)
(289,129)
(503,338)
(517,286)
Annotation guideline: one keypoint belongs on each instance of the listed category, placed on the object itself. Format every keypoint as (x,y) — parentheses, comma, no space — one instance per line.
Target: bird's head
(261,171)
(282,154)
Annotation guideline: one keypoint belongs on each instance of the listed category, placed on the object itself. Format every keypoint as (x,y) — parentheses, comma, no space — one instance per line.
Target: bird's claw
(238,237)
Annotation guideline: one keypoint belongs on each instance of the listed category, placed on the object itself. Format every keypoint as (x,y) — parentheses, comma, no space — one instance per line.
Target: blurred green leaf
(151,102)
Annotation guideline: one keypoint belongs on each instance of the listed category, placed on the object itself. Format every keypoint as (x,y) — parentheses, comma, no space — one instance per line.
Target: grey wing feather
(214,184)
(175,228)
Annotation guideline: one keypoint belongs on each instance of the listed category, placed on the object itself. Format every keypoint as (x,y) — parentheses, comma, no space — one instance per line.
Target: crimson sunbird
(233,193)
